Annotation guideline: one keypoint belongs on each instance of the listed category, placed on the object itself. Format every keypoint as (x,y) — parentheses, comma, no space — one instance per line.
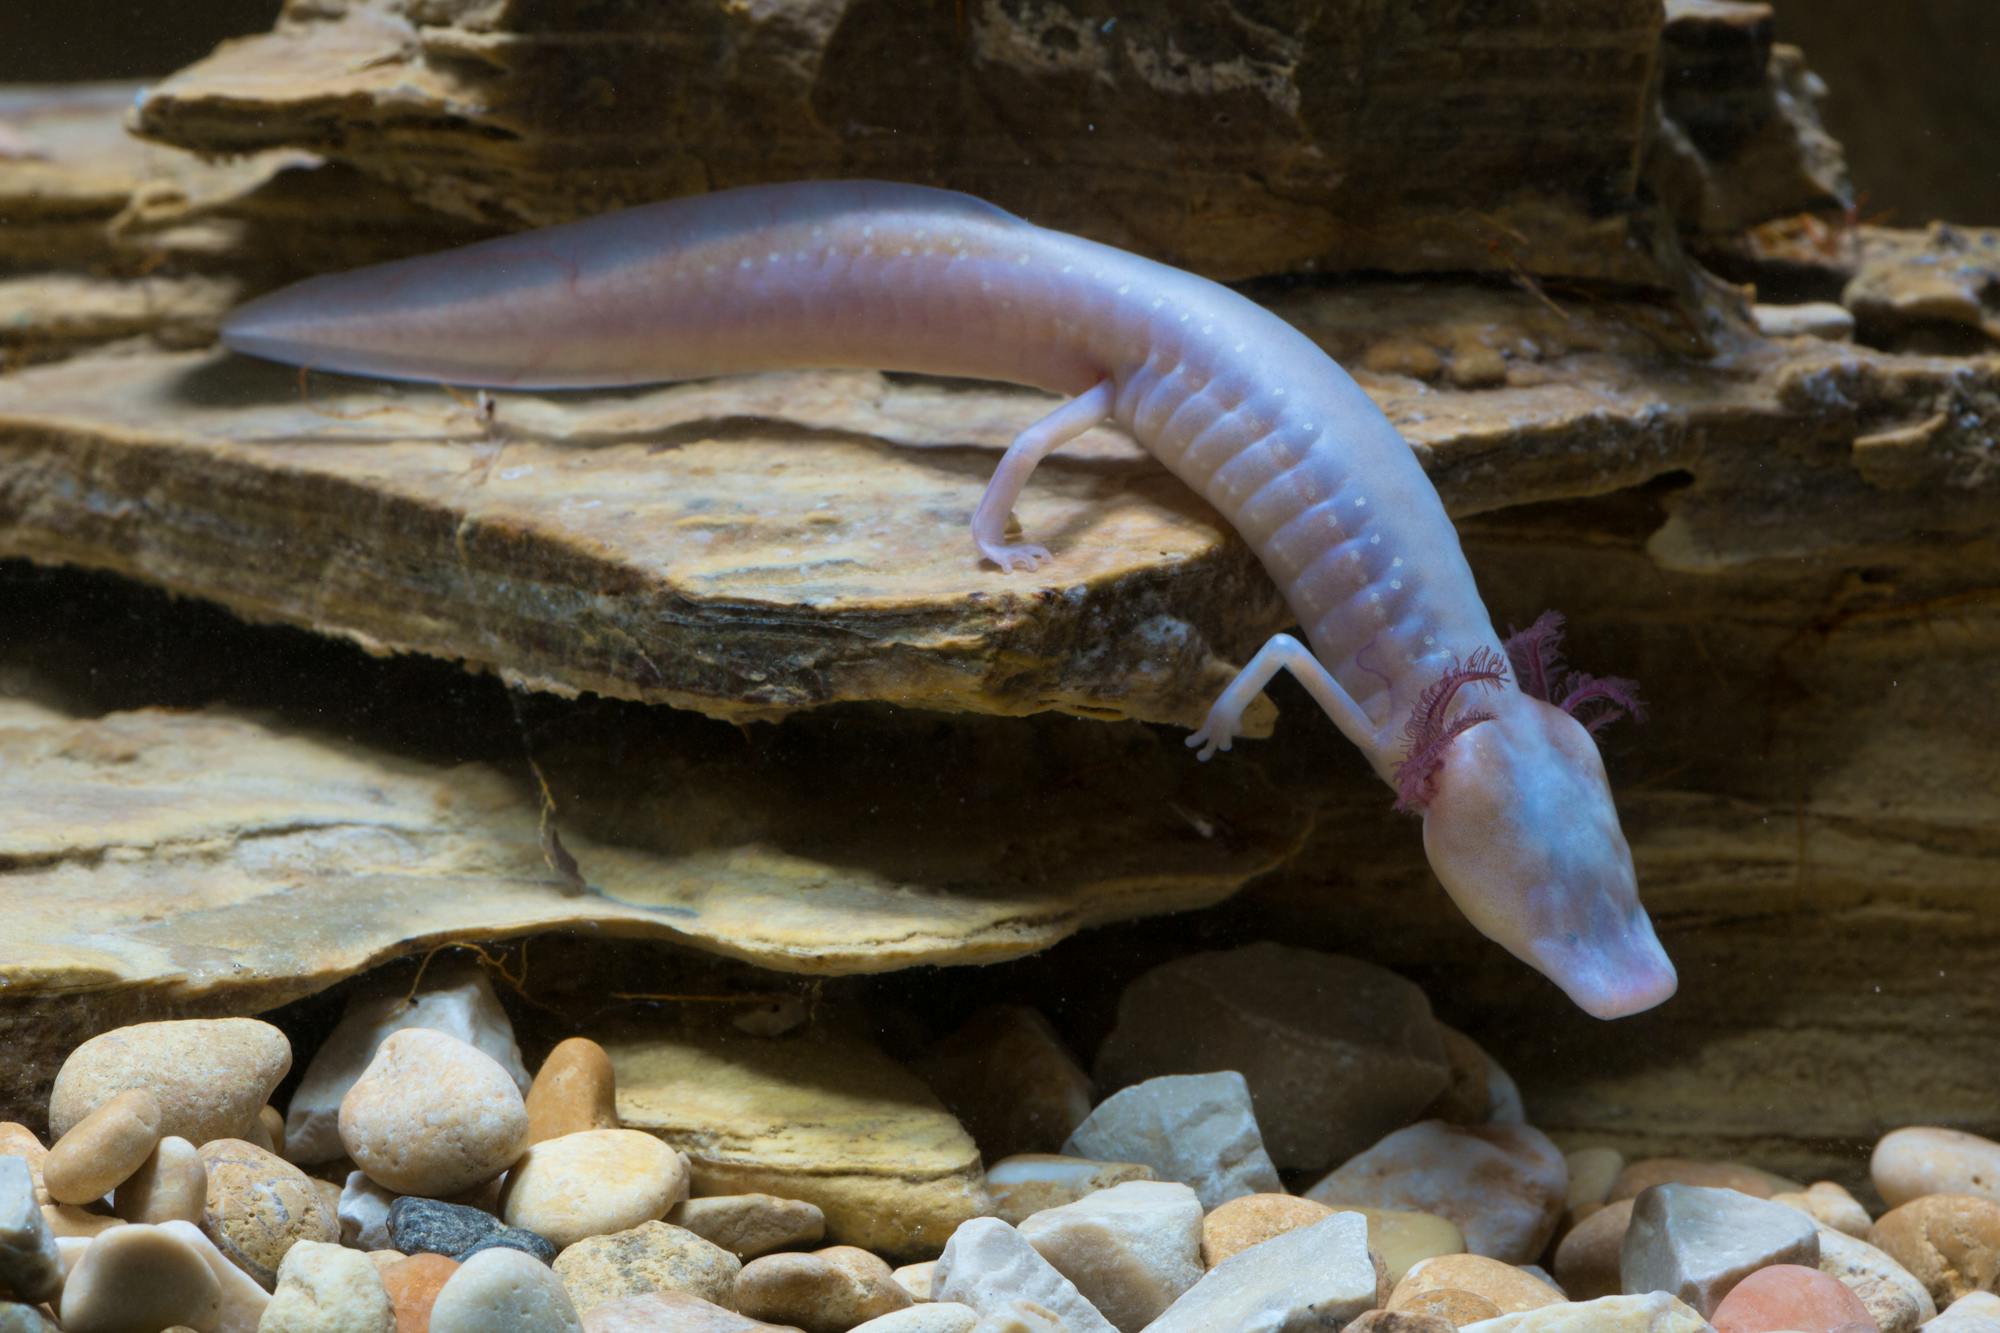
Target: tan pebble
(941,1317)
(103,1149)
(243,1298)
(1829,1205)
(504,1289)
(593,1183)
(328,1289)
(1405,1239)
(669,1312)
(17,1140)
(652,1256)
(1401,354)
(1587,1259)
(259,1205)
(1912,1162)
(1456,1308)
(273,1121)
(1503,1185)
(828,1291)
(1026,1183)
(171,1183)
(1949,1242)
(413,1285)
(66,1220)
(574,1090)
(1400,1321)
(1232,1227)
(916,1278)
(1592,1173)
(385,1258)
(1509,1288)
(139,1279)
(1642,1175)
(432,1115)
(1894,1297)
(209,1075)
(749,1225)
(1463,1101)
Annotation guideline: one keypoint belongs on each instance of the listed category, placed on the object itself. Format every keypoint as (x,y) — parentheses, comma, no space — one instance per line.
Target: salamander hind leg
(1030,447)
(1281,653)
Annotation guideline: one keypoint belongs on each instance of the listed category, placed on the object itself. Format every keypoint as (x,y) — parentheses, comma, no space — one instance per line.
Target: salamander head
(1520,827)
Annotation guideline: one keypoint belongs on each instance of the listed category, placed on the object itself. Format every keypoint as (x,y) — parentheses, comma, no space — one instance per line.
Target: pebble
(1237,1225)
(1790,1297)
(828,1291)
(273,1123)
(363,1210)
(1696,1243)
(243,1299)
(1029,1182)
(1830,1206)
(103,1149)
(65,1220)
(749,1225)
(652,1256)
(1642,1175)
(1503,1185)
(1910,1163)
(990,1266)
(916,1278)
(457,1001)
(17,1140)
(1509,1288)
(1587,1259)
(432,1115)
(1592,1172)
(1465,1099)
(593,1183)
(30,1265)
(1654,1312)
(258,1206)
(1453,1306)
(574,1090)
(1948,1242)
(139,1279)
(1976,1313)
(1400,1321)
(504,1291)
(328,1289)
(1402,1240)
(210,1076)
(170,1185)
(1336,1052)
(1198,1129)
(1898,1302)
(1131,1250)
(1010,1080)
(18,1318)
(412,1285)
(940,1317)
(432,1226)
(1503,1096)
(669,1312)
(1319,1276)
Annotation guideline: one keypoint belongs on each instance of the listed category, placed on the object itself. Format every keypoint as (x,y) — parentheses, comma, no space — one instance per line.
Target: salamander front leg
(1225,716)
(1031,446)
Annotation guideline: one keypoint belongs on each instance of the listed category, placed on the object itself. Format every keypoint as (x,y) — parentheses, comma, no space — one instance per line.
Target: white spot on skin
(1159,301)
(515,473)
(773,257)
(1361,503)
(1124,289)
(867,232)
(744,263)
(1397,584)
(1429,639)
(1374,539)
(907,252)
(818,232)
(1397,563)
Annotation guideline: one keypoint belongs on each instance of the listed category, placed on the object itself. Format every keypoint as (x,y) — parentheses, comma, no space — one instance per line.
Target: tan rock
(210,1076)
(244,1300)
(103,1149)
(1457,1308)
(650,1257)
(1010,1080)
(1400,1321)
(137,1279)
(1235,1226)
(432,1115)
(1896,1300)
(258,1206)
(938,1317)
(574,1090)
(1405,1239)
(1642,1175)
(1029,1182)
(1131,1250)
(1656,1312)
(170,1184)
(1509,1288)
(273,1123)
(1503,1185)
(916,1278)
(412,1285)
(65,1220)
(828,1291)
(749,1225)
(1918,1160)
(1587,1259)
(1831,1206)
(829,1120)
(1592,1173)
(657,1312)
(324,1288)
(592,1183)
(1949,1242)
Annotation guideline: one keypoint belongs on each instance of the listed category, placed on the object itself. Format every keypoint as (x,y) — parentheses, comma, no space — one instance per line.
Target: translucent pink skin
(1236,402)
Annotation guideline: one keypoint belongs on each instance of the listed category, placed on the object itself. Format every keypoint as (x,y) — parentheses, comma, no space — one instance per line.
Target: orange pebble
(573,1091)
(1793,1297)
(413,1286)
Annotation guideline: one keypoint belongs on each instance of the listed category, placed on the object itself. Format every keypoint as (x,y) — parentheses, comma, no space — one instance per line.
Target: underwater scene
(999,666)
